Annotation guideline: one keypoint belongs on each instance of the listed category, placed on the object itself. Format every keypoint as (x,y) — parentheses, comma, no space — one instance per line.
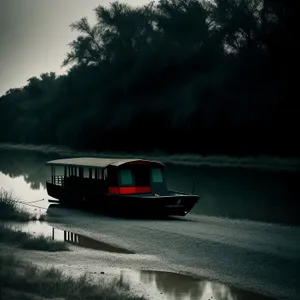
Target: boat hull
(174,203)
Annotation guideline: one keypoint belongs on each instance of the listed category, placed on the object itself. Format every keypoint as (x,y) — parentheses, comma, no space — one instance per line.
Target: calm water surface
(267,196)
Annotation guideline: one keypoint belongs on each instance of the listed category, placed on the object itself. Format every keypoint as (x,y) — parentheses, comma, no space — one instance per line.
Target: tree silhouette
(219,71)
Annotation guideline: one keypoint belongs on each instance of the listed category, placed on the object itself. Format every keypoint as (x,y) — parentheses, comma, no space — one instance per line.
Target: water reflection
(227,192)
(171,286)
(241,193)
(24,193)
(30,165)
(86,242)
(43,228)
(174,286)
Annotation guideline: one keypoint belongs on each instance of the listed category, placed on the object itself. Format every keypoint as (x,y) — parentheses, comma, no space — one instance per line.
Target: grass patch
(10,209)
(42,217)
(19,280)
(27,241)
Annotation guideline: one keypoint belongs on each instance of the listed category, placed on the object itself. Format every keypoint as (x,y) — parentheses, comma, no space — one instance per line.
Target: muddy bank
(20,280)
(248,255)
(155,281)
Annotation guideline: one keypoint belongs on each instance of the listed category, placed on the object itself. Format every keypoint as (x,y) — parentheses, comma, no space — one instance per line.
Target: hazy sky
(34,35)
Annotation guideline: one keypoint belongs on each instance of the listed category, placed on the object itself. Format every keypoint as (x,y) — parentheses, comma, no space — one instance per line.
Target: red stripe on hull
(129,190)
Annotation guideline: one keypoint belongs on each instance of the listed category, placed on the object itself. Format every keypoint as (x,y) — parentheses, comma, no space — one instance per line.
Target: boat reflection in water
(86,242)
(169,286)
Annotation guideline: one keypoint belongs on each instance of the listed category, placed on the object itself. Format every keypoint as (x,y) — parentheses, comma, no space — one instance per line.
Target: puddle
(43,228)
(172,286)
(83,241)
(152,284)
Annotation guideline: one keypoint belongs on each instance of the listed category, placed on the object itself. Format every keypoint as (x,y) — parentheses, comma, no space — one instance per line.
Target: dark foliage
(179,76)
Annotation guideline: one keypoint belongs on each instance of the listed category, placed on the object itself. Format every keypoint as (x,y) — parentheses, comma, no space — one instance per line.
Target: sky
(34,36)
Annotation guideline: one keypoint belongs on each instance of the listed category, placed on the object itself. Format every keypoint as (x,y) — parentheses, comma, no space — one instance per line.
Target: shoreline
(160,281)
(262,163)
(147,270)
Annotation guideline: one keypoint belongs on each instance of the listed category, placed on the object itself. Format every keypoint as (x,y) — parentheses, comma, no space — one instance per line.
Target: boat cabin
(109,176)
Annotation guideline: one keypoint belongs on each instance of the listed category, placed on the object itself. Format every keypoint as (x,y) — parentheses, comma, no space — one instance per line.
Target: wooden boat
(134,186)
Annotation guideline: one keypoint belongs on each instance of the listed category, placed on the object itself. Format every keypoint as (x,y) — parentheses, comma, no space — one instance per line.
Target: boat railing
(73,181)
(58,180)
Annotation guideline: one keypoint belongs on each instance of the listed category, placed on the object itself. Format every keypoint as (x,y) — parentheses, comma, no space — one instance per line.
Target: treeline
(178,75)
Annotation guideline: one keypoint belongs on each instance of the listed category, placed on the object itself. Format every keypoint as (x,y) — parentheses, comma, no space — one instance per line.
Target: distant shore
(271,163)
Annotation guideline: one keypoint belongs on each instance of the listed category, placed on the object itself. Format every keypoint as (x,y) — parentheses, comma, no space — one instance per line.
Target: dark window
(112,176)
(142,176)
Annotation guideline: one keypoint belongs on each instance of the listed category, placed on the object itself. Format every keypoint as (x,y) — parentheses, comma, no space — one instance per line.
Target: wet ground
(37,228)
(156,284)
(243,235)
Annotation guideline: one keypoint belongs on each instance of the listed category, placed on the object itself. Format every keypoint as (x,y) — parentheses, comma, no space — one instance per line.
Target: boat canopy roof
(95,162)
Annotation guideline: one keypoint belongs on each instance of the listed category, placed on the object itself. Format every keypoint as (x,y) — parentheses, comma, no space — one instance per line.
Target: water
(37,228)
(171,286)
(156,284)
(181,287)
(234,193)
(266,196)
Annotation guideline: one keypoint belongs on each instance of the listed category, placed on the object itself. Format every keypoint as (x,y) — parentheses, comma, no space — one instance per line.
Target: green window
(126,177)
(156,175)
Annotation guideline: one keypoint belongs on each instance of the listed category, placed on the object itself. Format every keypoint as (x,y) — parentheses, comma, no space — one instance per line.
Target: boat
(134,186)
